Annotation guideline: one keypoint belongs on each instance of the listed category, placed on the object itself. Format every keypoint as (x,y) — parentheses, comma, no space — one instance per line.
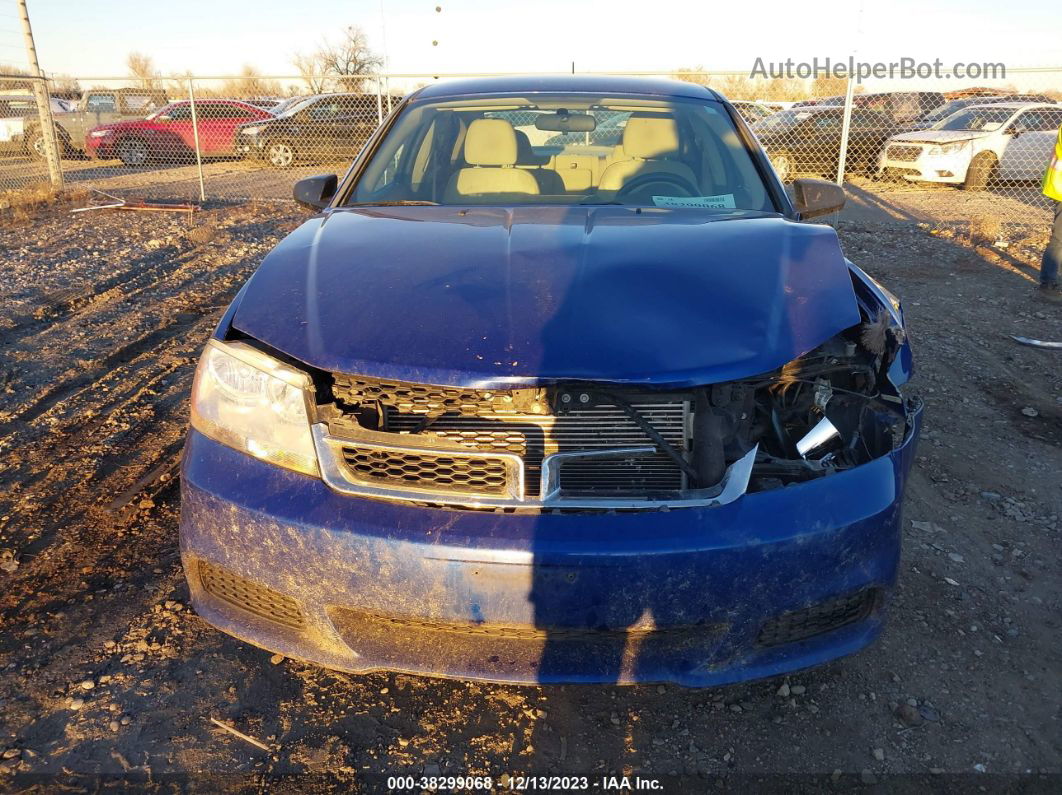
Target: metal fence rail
(976,148)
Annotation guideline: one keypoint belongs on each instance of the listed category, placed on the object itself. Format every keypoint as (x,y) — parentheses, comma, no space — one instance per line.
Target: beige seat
(648,142)
(491,153)
(549,182)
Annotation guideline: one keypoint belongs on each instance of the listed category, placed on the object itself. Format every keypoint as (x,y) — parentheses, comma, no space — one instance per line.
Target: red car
(167,133)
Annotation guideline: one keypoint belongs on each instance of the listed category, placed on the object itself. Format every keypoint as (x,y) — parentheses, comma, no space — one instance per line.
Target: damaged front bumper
(772,582)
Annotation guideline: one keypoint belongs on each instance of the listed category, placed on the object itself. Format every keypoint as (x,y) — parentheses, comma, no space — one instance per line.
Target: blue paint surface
(490,296)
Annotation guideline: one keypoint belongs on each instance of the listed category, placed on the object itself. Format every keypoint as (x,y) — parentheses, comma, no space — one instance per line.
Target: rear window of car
(565,149)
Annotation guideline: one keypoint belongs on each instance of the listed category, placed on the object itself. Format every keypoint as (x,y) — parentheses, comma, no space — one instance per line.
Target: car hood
(494,296)
(940,136)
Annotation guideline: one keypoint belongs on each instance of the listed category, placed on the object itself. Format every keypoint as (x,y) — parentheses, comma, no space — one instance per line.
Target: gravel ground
(106,672)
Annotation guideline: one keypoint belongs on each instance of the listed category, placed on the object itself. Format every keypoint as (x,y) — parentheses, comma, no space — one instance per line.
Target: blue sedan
(605,413)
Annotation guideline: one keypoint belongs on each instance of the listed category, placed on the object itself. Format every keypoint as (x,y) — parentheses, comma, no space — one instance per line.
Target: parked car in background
(808,140)
(266,103)
(96,107)
(752,112)
(284,104)
(976,145)
(16,112)
(320,127)
(902,107)
(463,422)
(168,133)
(954,105)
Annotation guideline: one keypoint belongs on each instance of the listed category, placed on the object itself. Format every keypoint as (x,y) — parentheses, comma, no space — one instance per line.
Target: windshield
(163,111)
(294,107)
(975,119)
(285,105)
(564,149)
(945,110)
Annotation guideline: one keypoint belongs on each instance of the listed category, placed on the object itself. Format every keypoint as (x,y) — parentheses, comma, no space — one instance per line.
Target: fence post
(845,129)
(44,104)
(379,101)
(195,135)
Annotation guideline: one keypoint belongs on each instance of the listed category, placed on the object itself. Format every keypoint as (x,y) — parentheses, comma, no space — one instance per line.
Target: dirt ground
(107,675)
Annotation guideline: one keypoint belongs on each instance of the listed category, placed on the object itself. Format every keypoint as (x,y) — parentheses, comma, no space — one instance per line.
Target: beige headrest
(490,142)
(650,136)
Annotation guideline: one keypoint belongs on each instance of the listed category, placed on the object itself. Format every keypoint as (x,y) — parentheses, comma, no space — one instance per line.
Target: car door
(820,145)
(341,124)
(175,133)
(220,128)
(10,125)
(867,134)
(212,119)
(1032,140)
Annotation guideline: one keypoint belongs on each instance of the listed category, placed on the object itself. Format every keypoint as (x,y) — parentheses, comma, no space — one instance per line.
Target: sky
(217,37)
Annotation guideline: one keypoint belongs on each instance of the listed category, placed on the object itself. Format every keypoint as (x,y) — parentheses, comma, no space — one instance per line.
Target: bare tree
(142,70)
(738,87)
(311,71)
(829,86)
(695,75)
(784,89)
(250,83)
(343,64)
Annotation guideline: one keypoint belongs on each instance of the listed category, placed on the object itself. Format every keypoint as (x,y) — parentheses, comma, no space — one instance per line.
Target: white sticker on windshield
(724,201)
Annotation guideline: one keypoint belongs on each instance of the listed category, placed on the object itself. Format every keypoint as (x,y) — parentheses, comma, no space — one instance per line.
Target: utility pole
(44,105)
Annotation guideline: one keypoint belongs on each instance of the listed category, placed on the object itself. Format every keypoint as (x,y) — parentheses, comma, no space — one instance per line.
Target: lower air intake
(814,620)
(250,596)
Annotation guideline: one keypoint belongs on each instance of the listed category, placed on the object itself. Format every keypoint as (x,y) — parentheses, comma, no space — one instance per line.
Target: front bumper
(100,148)
(683,596)
(249,145)
(949,169)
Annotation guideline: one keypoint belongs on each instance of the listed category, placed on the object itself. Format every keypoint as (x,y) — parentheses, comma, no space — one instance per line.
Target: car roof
(1016,105)
(590,84)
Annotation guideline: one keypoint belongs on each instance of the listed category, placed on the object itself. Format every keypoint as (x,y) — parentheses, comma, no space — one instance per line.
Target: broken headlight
(254,403)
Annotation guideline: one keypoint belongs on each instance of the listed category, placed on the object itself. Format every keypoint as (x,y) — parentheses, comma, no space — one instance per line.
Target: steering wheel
(645,180)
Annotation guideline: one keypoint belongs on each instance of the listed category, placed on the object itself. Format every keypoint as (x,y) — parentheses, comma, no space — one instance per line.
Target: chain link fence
(980,148)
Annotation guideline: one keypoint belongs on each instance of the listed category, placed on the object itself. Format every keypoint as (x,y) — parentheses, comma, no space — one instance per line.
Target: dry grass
(19,206)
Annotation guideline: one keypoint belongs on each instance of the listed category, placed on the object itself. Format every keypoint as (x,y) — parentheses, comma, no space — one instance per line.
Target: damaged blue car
(524,404)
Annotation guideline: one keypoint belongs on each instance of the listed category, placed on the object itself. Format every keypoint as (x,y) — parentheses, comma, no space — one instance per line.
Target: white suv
(980,143)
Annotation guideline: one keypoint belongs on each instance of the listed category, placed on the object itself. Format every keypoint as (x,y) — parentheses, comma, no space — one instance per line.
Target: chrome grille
(533,436)
(903,153)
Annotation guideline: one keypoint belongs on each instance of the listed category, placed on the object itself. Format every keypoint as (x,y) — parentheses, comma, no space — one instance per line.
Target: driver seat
(648,142)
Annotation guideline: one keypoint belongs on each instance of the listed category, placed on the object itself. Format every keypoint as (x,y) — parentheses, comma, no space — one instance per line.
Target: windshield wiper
(402,203)
(599,204)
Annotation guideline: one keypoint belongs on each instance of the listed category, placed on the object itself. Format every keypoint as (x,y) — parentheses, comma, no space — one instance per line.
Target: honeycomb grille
(446,473)
(905,154)
(426,399)
(250,596)
(814,620)
(601,427)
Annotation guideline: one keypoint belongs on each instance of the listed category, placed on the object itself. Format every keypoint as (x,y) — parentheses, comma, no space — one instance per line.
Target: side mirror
(316,192)
(815,197)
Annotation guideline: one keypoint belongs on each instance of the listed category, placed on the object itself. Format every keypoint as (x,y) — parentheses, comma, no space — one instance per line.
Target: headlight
(100,133)
(947,149)
(251,130)
(250,401)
